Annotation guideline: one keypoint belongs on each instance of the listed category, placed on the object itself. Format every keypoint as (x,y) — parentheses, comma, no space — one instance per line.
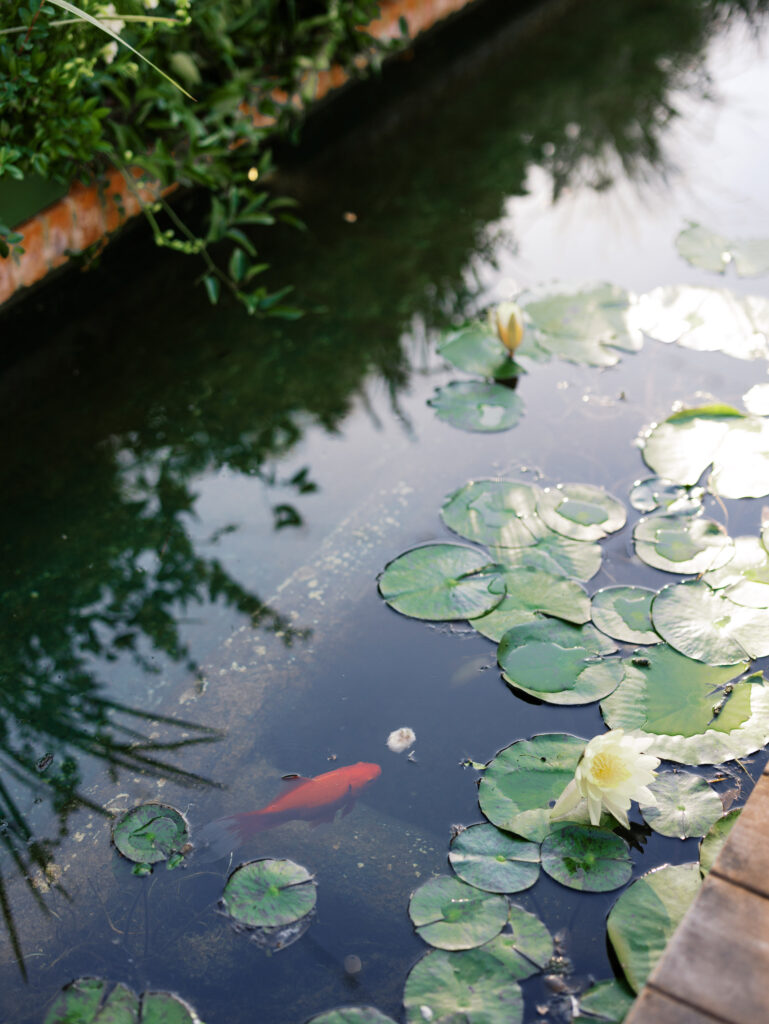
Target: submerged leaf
(477,406)
(450,914)
(442,581)
(704,624)
(489,859)
(151,833)
(713,843)
(695,712)
(524,780)
(624,613)
(558,662)
(587,858)
(581,511)
(686,805)
(269,893)
(643,919)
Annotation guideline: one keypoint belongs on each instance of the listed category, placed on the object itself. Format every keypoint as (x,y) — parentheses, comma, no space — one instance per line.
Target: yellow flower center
(609,770)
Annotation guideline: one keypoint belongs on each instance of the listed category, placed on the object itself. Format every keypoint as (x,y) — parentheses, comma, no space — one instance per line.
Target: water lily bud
(507,320)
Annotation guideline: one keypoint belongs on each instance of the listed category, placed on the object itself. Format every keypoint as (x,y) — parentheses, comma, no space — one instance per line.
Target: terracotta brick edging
(89,214)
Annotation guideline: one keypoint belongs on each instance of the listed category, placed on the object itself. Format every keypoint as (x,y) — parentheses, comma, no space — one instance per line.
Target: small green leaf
(269,893)
(450,914)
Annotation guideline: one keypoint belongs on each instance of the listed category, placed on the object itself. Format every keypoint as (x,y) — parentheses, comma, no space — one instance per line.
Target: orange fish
(314,800)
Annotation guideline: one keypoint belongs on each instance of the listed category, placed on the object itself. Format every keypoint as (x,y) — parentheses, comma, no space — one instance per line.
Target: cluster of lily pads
(671,665)
(592,326)
(97,1001)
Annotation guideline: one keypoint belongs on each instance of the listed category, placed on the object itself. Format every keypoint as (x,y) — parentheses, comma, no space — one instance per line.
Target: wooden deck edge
(715,967)
(90,214)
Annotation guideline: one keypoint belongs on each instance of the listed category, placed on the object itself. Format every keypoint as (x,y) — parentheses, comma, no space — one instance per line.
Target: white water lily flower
(401,739)
(612,771)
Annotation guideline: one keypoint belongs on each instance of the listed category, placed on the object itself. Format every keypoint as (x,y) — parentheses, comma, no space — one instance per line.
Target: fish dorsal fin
(291,781)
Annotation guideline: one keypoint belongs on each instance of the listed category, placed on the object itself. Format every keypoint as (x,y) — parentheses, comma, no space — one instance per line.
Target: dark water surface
(196,505)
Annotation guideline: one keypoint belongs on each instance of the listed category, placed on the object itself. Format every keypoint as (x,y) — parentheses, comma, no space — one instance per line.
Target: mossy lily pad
(489,859)
(708,250)
(581,511)
(583,325)
(475,349)
(530,591)
(351,1015)
(682,544)
(151,833)
(606,1002)
(704,624)
(558,662)
(501,512)
(587,858)
(706,320)
(697,714)
(624,613)
(269,893)
(643,919)
(442,581)
(653,493)
(473,986)
(477,406)
(713,843)
(686,805)
(450,914)
(525,779)
(96,1001)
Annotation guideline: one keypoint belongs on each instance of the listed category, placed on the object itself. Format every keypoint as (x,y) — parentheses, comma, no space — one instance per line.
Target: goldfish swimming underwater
(314,800)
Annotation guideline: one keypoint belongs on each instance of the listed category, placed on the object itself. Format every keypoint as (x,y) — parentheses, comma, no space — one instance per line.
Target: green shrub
(73,102)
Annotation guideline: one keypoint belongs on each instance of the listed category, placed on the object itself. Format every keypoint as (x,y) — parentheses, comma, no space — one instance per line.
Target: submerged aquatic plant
(612,771)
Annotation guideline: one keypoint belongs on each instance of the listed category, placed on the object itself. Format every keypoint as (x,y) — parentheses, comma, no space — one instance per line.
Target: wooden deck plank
(744,860)
(718,959)
(659,1007)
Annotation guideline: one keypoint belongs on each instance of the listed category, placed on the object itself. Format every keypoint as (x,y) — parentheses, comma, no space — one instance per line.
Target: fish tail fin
(220,837)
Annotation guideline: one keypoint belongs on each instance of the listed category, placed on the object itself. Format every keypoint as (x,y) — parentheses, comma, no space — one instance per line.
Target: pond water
(197,507)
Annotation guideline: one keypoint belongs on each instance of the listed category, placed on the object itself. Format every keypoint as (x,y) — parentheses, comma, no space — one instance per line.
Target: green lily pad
(474,349)
(584,326)
(581,511)
(608,1002)
(624,613)
(489,859)
(705,249)
(654,493)
(555,554)
(477,406)
(501,512)
(96,1001)
(151,833)
(706,320)
(736,445)
(269,893)
(704,624)
(525,779)
(473,987)
(713,843)
(558,662)
(756,400)
(531,943)
(530,591)
(682,544)
(450,914)
(351,1015)
(643,919)
(696,713)
(442,581)
(745,578)
(587,858)
(165,1008)
(686,805)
